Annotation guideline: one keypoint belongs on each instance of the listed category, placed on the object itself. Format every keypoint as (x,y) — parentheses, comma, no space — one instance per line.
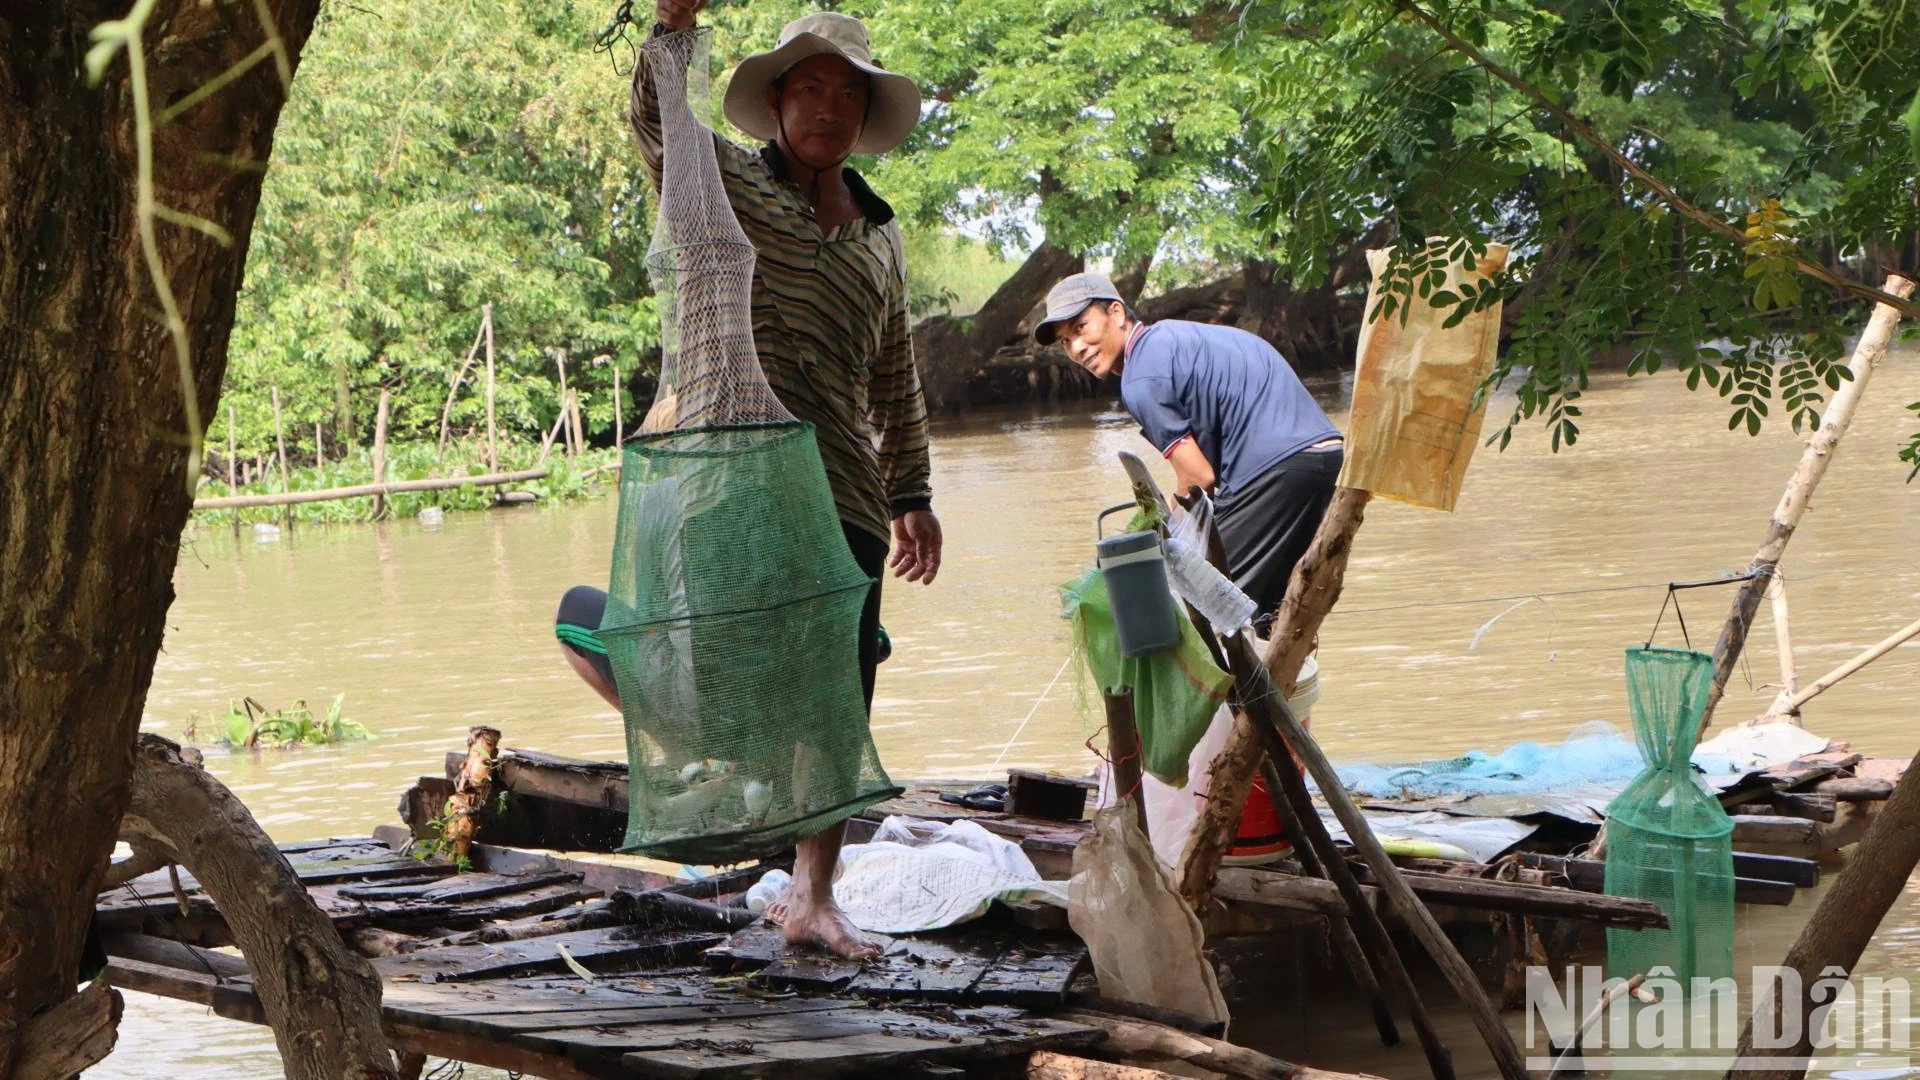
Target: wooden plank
(599,784)
(1813,807)
(461,889)
(1590,875)
(596,950)
(603,877)
(924,968)
(1052,1065)
(1752,829)
(1802,873)
(1035,973)
(862,1055)
(1855,789)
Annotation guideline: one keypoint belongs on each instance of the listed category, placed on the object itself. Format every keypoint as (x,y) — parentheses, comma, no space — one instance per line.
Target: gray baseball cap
(1070,298)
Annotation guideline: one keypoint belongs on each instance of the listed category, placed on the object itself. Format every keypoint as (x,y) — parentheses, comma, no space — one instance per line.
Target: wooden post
(1267,707)
(1311,593)
(446,411)
(380,454)
(1783,643)
(1843,924)
(319,446)
(1123,752)
(575,429)
(233,465)
(471,790)
(566,414)
(1806,476)
(619,432)
(280,437)
(546,444)
(493,447)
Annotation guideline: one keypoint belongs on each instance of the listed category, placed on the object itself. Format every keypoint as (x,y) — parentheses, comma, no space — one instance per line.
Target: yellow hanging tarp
(1414,423)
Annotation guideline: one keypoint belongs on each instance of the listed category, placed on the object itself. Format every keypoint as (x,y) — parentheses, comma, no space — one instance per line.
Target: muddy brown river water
(428,630)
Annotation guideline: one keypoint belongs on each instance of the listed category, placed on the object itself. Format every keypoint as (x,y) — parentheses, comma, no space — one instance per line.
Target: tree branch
(1651,182)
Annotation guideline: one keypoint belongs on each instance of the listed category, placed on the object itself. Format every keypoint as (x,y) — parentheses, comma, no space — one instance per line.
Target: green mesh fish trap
(1668,838)
(733,610)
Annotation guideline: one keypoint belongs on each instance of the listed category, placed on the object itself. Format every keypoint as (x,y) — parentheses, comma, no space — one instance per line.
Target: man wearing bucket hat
(830,327)
(1227,411)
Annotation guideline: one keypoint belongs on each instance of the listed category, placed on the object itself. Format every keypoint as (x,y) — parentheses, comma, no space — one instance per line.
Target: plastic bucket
(1261,838)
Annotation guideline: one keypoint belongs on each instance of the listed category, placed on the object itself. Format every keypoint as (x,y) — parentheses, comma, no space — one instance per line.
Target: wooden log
(380,454)
(72,1036)
(1052,1065)
(1783,637)
(1852,789)
(322,1000)
(493,445)
(1835,420)
(1123,752)
(358,491)
(472,790)
(1843,924)
(1311,593)
(1267,706)
(1134,1038)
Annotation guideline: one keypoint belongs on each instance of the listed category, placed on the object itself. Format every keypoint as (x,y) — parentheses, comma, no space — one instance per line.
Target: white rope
(1036,708)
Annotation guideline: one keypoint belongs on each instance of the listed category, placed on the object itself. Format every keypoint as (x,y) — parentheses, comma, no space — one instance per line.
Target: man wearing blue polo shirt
(1229,414)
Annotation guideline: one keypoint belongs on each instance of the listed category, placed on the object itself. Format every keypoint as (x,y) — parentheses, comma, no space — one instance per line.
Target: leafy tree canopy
(1687,181)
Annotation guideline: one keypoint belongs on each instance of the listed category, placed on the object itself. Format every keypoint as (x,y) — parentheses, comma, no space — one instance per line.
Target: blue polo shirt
(1231,391)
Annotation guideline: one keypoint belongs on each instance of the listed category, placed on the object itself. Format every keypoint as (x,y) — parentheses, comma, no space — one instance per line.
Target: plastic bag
(1145,941)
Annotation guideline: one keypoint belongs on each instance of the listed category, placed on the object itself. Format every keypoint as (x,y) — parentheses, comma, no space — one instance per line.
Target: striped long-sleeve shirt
(829,322)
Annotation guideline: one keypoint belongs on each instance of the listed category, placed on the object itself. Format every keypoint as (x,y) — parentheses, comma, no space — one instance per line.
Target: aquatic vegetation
(250,725)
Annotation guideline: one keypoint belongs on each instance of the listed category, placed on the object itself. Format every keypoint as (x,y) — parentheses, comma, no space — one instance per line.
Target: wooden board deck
(506,996)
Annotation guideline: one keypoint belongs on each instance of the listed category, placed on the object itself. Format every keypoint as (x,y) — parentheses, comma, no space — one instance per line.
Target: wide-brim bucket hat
(892,109)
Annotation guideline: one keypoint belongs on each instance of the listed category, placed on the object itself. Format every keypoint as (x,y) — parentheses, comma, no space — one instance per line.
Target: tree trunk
(93,484)
(321,999)
(1316,330)
(950,349)
(1845,921)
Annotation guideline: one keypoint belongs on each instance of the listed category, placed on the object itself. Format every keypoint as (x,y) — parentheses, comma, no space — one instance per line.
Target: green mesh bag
(733,612)
(732,626)
(1175,691)
(1668,838)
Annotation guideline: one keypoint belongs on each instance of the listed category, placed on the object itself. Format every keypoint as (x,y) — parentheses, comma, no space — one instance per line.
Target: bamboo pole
(446,411)
(619,431)
(1806,476)
(493,447)
(380,454)
(319,446)
(566,430)
(1268,707)
(280,436)
(546,443)
(363,490)
(1311,593)
(575,428)
(1783,639)
(1789,706)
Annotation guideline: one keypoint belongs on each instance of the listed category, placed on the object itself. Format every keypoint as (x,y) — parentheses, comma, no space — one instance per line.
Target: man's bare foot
(804,922)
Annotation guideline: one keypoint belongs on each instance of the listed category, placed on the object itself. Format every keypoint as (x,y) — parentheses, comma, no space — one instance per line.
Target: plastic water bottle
(767,889)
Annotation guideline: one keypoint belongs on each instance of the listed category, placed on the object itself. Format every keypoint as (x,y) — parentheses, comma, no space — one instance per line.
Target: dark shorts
(583,606)
(1267,525)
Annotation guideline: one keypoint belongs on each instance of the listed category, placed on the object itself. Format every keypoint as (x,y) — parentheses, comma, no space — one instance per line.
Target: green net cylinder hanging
(1668,838)
(733,613)
(732,627)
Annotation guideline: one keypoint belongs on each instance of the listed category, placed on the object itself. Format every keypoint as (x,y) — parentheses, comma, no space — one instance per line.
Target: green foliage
(250,725)
(437,846)
(1778,118)
(433,158)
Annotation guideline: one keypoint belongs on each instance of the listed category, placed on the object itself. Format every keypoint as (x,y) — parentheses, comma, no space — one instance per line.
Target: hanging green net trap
(733,610)
(1668,838)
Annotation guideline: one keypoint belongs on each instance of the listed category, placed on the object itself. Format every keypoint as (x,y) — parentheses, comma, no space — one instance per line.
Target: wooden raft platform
(475,967)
